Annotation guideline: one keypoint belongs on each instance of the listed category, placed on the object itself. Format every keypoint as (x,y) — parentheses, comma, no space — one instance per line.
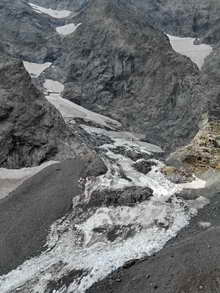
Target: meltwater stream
(80,247)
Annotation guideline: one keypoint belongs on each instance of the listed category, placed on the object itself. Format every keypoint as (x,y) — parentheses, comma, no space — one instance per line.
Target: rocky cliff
(184,18)
(27,34)
(119,65)
(31,129)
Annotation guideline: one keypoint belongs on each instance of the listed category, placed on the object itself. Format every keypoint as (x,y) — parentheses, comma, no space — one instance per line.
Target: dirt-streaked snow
(10,179)
(35,69)
(71,111)
(185,46)
(51,12)
(67,29)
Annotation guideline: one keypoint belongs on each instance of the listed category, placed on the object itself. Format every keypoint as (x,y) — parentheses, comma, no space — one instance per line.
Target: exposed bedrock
(128,70)
(31,129)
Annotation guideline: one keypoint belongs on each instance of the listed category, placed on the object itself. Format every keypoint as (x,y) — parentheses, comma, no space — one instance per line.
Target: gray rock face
(124,197)
(27,34)
(119,65)
(31,129)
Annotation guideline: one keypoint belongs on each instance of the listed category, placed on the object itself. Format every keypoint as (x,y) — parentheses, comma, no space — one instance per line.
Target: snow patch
(204,225)
(51,12)
(70,110)
(53,86)
(195,184)
(67,29)
(186,46)
(35,69)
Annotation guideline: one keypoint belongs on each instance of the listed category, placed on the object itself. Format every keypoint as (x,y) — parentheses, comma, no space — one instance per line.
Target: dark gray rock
(196,18)
(31,129)
(96,168)
(128,196)
(144,166)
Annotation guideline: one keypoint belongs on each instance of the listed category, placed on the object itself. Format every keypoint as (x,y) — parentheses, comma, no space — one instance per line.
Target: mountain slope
(119,65)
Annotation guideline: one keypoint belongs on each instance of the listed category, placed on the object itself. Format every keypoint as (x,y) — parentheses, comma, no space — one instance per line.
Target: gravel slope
(27,213)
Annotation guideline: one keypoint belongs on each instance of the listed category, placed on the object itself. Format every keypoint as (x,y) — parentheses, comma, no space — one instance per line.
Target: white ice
(67,29)
(53,86)
(126,139)
(70,110)
(10,179)
(35,69)
(185,46)
(197,183)
(51,12)
(100,257)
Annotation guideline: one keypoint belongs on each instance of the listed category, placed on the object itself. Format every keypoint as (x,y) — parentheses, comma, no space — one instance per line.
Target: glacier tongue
(80,242)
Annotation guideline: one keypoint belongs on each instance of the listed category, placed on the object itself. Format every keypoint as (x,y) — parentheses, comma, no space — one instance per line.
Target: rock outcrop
(27,34)
(31,129)
(119,65)
(196,18)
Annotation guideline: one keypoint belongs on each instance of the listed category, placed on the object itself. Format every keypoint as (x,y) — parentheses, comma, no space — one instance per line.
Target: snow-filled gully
(80,242)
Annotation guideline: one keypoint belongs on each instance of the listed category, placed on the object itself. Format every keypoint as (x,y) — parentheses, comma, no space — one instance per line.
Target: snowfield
(51,12)
(71,111)
(67,29)
(185,46)
(35,69)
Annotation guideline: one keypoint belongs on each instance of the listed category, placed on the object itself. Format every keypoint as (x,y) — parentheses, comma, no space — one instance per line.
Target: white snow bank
(51,12)
(53,86)
(195,184)
(35,69)
(70,110)
(67,29)
(10,179)
(185,46)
